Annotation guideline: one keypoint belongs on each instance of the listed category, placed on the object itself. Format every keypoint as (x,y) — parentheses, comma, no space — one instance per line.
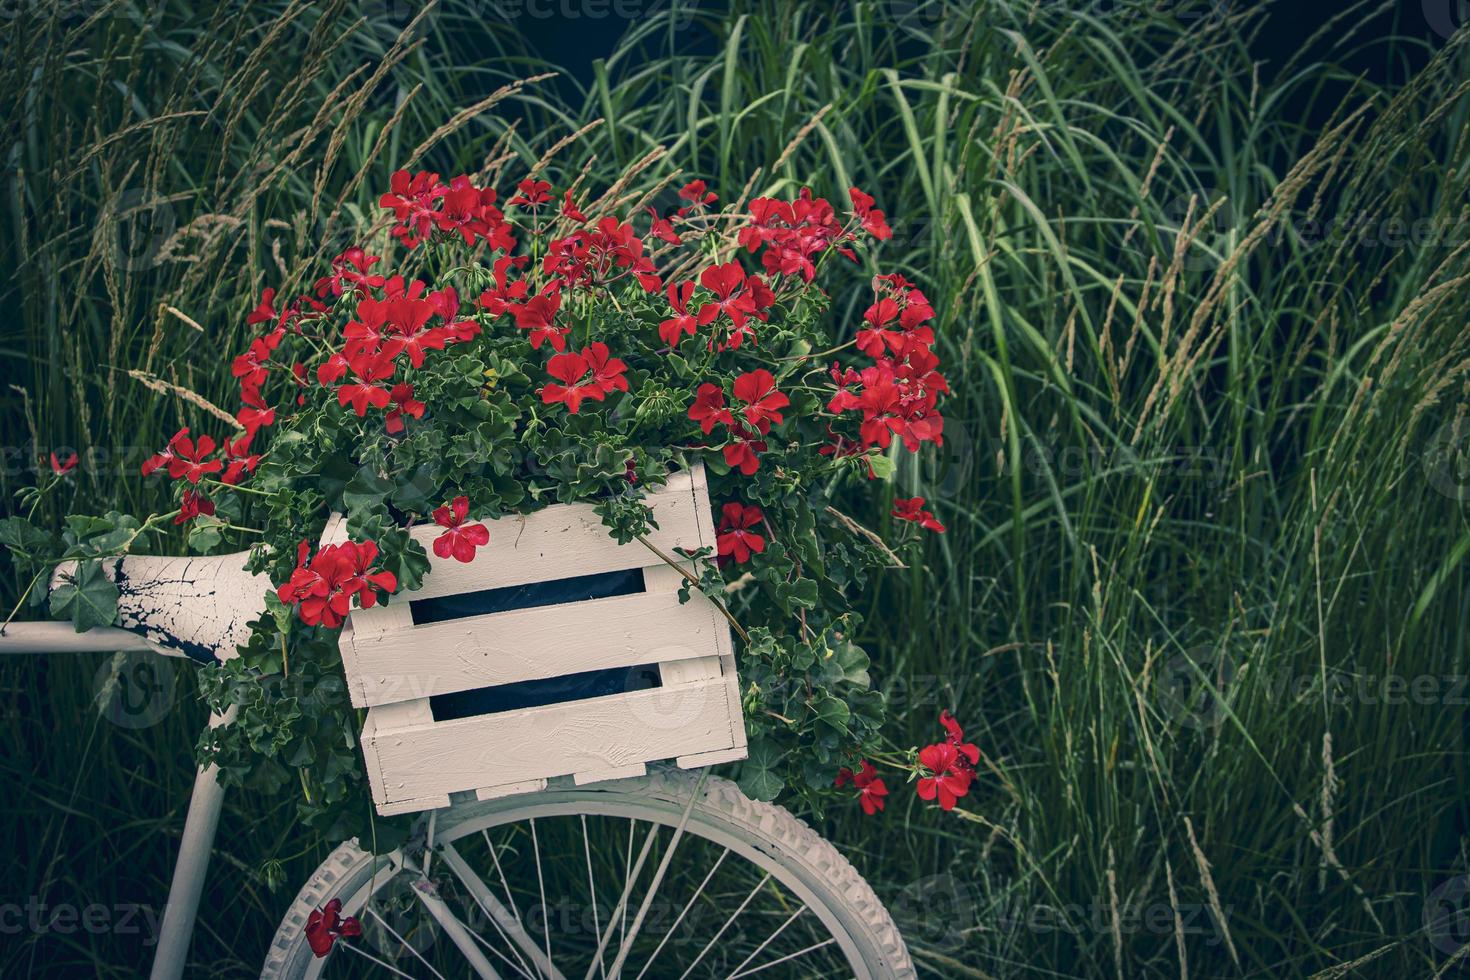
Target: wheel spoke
(458,933)
(592,891)
(508,926)
(658,877)
(785,959)
(541,887)
(403,942)
(383,963)
(728,922)
(494,856)
(769,939)
(683,912)
(622,908)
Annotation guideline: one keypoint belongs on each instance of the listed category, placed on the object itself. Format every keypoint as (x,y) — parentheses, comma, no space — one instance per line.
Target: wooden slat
(431,761)
(562,541)
(529,644)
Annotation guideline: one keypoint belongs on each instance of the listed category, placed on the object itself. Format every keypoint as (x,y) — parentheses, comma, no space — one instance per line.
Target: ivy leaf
(851,663)
(758,778)
(23,538)
(87,597)
(832,714)
(204,536)
(365,491)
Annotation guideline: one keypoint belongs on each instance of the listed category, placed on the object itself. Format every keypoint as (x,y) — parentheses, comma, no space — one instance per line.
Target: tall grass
(1201,601)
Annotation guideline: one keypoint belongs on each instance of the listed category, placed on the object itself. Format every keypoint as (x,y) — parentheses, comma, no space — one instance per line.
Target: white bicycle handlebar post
(187,885)
(181,607)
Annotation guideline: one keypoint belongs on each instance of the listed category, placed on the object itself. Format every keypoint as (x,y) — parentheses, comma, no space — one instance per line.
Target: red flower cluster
(598,257)
(899,394)
(871,788)
(326,925)
(588,374)
(794,233)
(734,538)
(397,324)
(459,540)
(757,389)
(946,769)
(948,766)
(323,588)
(424,204)
(910,509)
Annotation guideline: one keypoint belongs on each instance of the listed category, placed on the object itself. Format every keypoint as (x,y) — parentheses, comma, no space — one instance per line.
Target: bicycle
(704,877)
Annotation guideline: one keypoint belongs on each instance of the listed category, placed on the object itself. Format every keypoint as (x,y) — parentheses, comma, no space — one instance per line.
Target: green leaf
(831,713)
(365,491)
(204,536)
(23,538)
(87,597)
(883,466)
(758,778)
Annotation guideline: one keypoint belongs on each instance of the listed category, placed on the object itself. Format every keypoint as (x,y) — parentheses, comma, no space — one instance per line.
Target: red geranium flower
(873,220)
(61,467)
(324,927)
(402,398)
(743,452)
(663,230)
(242,461)
(948,776)
(505,294)
(709,408)
(683,322)
(871,788)
(956,737)
(187,460)
(460,539)
(733,539)
(350,270)
(571,368)
(533,193)
(569,209)
(695,193)
(413,200)
(191,506)
(265,310)
(369,367)
(323,588)
(911,510)
(538,315)
(763,402)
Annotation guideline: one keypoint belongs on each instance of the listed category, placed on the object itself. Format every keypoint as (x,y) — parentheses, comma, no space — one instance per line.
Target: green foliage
(1255,480)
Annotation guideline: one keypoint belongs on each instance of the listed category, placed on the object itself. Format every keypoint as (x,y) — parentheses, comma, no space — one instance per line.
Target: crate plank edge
(394,667)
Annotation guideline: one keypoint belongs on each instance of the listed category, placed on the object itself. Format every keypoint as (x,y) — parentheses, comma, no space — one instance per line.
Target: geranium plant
(542,350)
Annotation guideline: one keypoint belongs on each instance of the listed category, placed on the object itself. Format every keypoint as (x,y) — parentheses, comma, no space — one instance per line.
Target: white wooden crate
(394,667)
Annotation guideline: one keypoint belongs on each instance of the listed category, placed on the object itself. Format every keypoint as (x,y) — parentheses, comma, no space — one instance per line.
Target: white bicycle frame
(202,821)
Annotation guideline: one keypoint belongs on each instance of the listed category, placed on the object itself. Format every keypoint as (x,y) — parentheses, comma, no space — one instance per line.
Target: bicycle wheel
(662,876)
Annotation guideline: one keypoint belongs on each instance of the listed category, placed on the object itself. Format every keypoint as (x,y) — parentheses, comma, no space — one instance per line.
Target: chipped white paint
(198,607)
(393,667)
